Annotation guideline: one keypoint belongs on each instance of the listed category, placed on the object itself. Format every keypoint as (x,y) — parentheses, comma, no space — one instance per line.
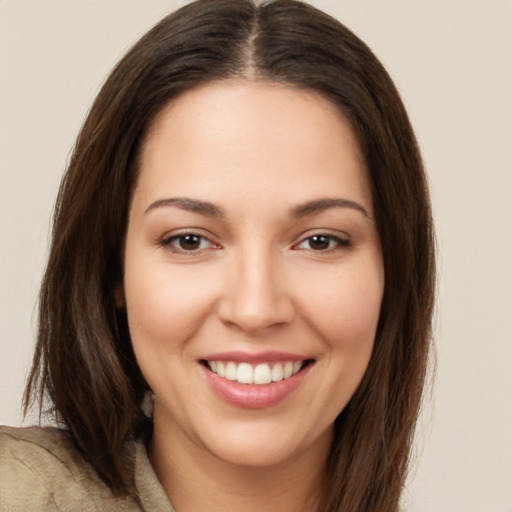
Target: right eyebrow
(322,204)
(185,203)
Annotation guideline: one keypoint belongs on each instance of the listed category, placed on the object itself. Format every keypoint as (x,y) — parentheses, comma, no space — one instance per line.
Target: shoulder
(41,470)
(42,444)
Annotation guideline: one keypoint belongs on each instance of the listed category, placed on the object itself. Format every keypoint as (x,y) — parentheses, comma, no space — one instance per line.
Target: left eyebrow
(185,203)
(320,205)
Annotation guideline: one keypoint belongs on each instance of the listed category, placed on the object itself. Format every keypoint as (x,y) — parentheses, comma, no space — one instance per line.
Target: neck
(197,480)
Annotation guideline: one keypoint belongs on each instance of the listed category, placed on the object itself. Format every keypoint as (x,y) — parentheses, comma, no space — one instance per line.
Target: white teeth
(261,374)
(277,372)
(245,375)
(231,371)
(288,370)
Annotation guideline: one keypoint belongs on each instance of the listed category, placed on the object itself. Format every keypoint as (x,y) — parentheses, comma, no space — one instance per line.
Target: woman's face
(253,271)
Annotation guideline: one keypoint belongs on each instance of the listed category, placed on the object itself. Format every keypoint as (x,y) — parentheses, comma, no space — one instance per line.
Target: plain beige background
(452,61)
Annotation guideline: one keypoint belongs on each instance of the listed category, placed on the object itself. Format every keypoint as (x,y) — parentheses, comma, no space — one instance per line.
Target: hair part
(84,362)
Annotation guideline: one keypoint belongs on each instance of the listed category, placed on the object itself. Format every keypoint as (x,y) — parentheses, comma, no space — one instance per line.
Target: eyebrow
(184,203)
(302,210)
(320,205)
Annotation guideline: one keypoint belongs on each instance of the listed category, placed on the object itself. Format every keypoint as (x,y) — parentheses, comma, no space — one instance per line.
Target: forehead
(246,134)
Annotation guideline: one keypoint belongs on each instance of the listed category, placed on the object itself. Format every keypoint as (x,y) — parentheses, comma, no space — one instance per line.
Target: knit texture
(40,470)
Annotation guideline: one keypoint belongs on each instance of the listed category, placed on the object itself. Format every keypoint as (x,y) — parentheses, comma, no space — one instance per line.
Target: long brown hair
(84,362)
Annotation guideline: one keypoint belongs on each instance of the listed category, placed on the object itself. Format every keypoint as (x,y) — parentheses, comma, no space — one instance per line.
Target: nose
(256,297)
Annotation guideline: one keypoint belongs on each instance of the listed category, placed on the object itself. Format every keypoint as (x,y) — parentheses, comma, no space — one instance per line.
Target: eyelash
(333,243)
(168,242)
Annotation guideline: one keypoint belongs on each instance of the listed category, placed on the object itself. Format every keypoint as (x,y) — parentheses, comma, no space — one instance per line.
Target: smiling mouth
(256,374)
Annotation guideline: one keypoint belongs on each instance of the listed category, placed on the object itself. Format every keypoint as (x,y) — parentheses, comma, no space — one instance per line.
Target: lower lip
(250,396)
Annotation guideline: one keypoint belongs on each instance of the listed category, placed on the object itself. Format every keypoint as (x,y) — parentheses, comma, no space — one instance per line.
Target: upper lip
(255,358)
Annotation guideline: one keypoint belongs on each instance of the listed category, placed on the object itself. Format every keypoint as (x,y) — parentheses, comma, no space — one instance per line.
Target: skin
(255,282)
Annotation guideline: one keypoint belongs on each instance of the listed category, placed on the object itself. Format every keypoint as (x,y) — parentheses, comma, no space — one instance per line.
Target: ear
(119,296)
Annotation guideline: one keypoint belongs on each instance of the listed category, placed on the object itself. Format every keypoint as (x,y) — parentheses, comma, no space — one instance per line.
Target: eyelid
(342,239)
(166,240)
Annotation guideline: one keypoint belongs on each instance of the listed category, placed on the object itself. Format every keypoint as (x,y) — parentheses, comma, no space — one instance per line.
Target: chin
(265,445)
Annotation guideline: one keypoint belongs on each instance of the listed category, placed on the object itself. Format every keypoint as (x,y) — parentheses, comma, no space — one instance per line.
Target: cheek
(165,306)
(344,313)
(345,306)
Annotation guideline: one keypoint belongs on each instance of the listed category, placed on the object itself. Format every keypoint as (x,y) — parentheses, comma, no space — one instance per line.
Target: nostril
(254,301)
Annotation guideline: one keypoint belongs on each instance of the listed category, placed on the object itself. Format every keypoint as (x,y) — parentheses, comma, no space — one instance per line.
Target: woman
(237,305)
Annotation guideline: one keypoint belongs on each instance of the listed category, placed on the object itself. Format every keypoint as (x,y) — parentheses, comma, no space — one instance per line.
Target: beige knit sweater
(41,471)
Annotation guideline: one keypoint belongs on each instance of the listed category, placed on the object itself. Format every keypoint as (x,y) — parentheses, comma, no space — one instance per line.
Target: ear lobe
(119,297)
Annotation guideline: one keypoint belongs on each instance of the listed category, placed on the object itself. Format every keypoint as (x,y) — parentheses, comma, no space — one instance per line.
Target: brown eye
(189,242)
(322,242)
(319,242)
